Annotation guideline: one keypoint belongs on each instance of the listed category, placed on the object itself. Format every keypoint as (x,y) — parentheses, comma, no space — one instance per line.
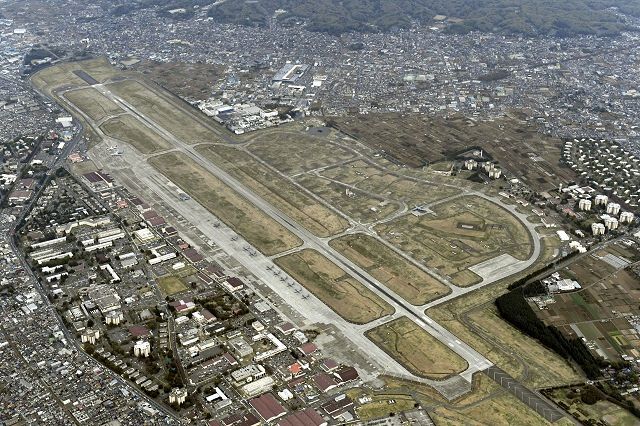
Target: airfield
(324,222)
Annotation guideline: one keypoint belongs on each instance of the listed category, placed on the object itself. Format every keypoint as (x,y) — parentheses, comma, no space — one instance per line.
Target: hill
(527,17)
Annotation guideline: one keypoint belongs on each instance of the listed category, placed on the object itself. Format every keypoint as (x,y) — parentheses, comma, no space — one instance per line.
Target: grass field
(383,406)
(171,285)
(410,282)
(369,178)
(417,140)
(62,74)
(356,204)
(417,350)
(329,283)
(260,230)
(168,114)
(93,103)
(504,410)
(463,232)
(130,130)
(602,411)
(279,192)
(303,152)
(465,278)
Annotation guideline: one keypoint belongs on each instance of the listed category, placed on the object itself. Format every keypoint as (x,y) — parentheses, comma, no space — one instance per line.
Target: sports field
(171,285)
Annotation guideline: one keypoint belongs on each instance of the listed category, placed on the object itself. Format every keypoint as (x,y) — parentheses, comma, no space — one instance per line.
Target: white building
(597,228)
(113,317)
(177,396)
(90,335)
(613,208)
(611,223)
(584,204)
(142,348)
(626,217)
(602,200)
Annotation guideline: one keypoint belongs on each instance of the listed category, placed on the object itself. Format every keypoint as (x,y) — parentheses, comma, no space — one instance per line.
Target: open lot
(369,178)
(93,103)
(278,191)
(263,232)
(409,281)
(356,204)
(171,285)
(504,410)
(165,111)
(416,349)
(296,152)
(418,140)
(338,290)
(461,233)
(130,130)
(63,74)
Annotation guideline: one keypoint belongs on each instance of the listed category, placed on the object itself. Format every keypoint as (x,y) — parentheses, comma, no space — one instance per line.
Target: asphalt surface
(531,399)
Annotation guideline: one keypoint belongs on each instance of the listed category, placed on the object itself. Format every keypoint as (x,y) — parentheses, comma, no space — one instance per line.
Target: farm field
(338,290)
(417,350)
(599,311)
(169,114)
(130,130)
(407,280)
(602,411)
(260,230)
(279,192)
(93,103)
(461,233)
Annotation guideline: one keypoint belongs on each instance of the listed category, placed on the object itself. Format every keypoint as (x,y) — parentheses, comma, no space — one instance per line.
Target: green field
(130,130)
(407,280)
(338,290)
(171,285)
(417,350)
(278,191)
(255,226)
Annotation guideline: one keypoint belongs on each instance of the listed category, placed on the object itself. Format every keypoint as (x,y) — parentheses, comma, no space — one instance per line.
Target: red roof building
(248,419)
(308,417)
(268,407)
(347,374)
(308,349)
(324,382)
